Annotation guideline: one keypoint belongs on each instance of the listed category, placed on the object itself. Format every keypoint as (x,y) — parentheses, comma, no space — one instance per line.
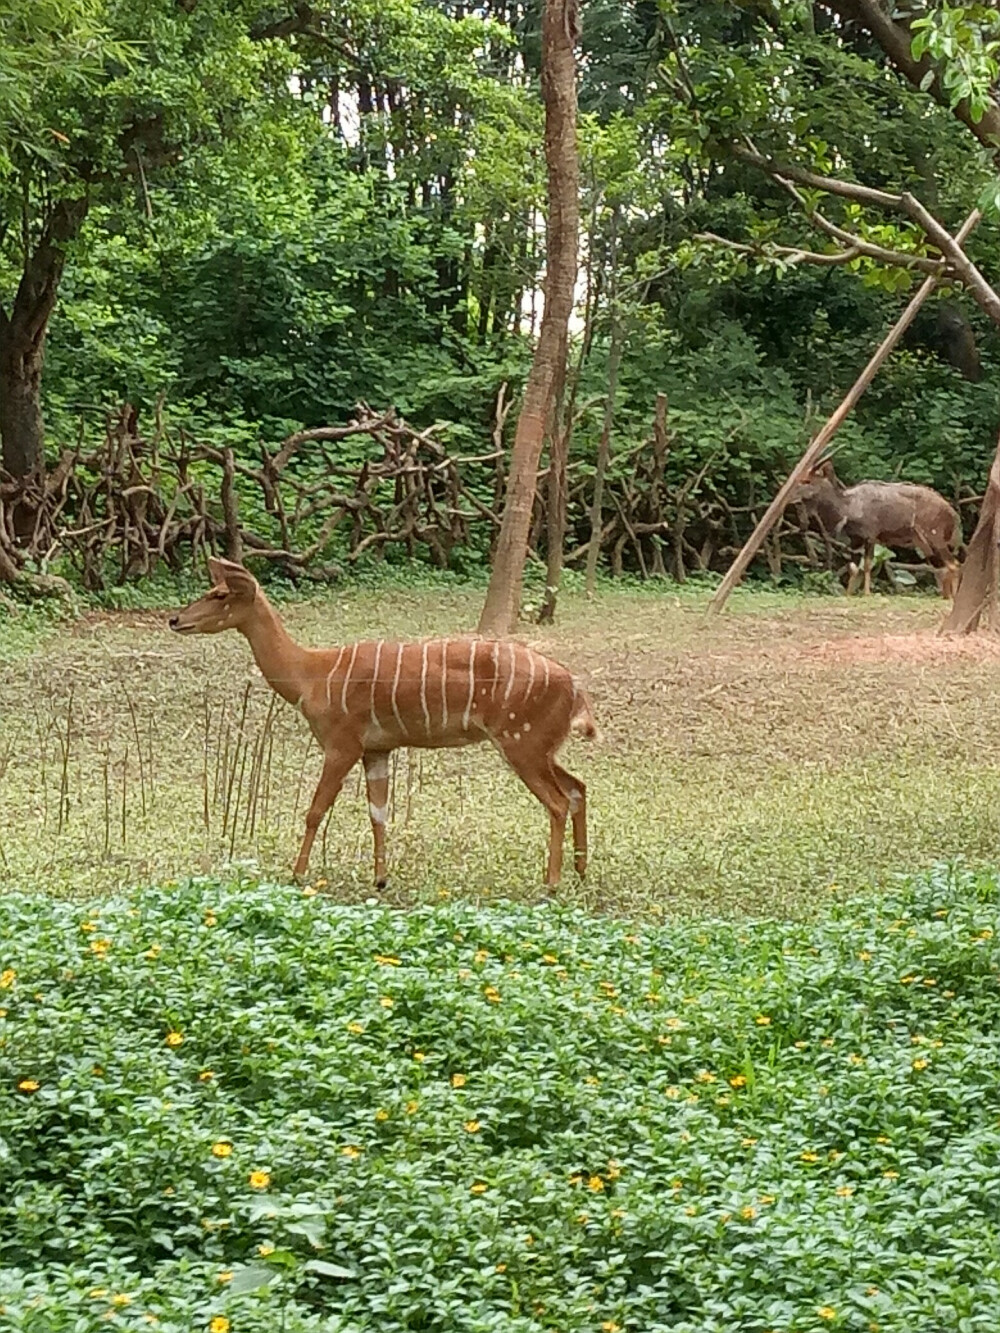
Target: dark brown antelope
(367,699)
(894,513)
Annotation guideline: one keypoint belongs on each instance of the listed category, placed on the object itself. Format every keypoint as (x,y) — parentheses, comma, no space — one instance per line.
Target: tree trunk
(559,33)
(22,340)
(603,458)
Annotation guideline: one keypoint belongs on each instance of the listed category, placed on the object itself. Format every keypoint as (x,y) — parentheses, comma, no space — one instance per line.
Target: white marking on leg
(423,688)
(378,767)
(347,677)
(510,673)
(444,684)
(472,686)
(329,679)
(379,813)
(395,686)
(371,705)
(574,801)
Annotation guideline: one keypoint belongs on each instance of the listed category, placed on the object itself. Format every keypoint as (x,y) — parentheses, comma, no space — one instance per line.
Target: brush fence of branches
(327,497)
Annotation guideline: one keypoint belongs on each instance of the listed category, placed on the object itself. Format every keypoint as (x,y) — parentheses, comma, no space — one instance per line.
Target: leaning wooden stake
(977,587)
(777,506)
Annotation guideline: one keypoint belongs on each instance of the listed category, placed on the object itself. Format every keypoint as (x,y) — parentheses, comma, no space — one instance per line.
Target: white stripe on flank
(395,686)
(510,673)
(423,688)
(347,677)
(371,704)
(472,686)
(444,683)
(329,679)
(546,661)
(496,670)
(531,675)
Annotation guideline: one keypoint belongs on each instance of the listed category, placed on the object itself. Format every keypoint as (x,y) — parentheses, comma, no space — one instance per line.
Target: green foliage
(240,1102)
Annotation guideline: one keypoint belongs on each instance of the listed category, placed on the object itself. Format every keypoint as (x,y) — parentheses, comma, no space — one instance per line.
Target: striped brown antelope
(367,699)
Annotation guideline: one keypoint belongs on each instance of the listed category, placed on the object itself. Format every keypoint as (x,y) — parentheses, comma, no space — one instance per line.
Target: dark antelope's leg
(377,780)
(869,557)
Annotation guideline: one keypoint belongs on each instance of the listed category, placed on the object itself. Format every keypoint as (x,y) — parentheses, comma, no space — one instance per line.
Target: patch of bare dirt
(918,649)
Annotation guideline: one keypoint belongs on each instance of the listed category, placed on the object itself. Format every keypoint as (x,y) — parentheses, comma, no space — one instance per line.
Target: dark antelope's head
(227,606)
(819,483)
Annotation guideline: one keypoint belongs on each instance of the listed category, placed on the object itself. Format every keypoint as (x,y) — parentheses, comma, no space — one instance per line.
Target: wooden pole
(815,450)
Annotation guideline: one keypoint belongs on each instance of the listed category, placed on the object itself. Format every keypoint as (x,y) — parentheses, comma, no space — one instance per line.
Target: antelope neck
(281,660)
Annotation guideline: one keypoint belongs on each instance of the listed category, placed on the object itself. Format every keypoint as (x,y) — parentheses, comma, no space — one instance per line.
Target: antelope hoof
(381,883)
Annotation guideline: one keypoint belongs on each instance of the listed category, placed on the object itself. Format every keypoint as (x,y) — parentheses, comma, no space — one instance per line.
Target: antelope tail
(581,721)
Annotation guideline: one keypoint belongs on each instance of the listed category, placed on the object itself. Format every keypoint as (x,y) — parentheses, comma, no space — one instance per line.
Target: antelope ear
(825,469)
(239,581)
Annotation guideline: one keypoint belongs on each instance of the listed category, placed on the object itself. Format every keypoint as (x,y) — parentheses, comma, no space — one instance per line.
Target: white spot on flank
(347,677)
(371,705)
(517,735)
(512,716)
(423,688)
(472,686)
(526,726)
(395,686)
(378,813)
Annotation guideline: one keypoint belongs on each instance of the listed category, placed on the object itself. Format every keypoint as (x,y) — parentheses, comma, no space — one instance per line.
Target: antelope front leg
(335,769)
(377,780)
(869,557)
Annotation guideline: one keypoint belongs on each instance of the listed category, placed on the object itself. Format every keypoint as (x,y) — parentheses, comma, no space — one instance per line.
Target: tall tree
(560,30)
(98,99)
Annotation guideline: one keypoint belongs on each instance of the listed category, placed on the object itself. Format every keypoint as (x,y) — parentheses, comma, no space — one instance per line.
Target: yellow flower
(225,1276)
(583,1218)
(801,1045)
(865,956)
(210,919)
(309,891)
(478,1188)
(259,1180)
(96,1293)
(28,1085)
(356,1028)
(206,1076)
(387,960)
(472,1127)
(88,925)
(351,1150)
(173,1038)
(930,981)
(458,1080)
(500,1268)
(614,1170)
(920,1064)
(121,1298)
(810,1156)
(154,950)
(690,1211)
(827,1312)
(905,981)
(675,1023)
(749,1211)
(387,1002)
(596,1184)
(609,1326)
(855,1059)
(890,1175)
(704,1076)
(222,1149)
(381,1115)
(220,1324)
(3,1013)
(738,1081)
(747,1143)
(419,1056)
(100,947)
(671,1092)
(883,1138)
(264,1250)
(766,1198)
(844,1191)
(480,956)
(762,1021)
(411,1107)
(492,994)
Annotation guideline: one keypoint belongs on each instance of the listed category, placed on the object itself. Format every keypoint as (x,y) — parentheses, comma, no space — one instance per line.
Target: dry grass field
(749,765)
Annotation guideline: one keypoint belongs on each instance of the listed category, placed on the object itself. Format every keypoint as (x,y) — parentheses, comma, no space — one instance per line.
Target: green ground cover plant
(236,1107)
